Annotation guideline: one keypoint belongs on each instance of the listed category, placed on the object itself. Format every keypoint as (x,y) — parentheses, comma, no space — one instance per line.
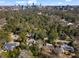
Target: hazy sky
(43,2)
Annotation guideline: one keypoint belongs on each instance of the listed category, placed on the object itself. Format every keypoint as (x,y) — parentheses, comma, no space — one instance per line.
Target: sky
(38,2)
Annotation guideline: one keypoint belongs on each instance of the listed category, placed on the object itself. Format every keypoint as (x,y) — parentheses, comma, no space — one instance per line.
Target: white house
(39,13)
(69,24)
(30,41)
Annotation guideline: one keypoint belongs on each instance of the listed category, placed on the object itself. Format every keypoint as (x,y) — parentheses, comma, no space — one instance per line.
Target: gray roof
(10,46)
(67,48)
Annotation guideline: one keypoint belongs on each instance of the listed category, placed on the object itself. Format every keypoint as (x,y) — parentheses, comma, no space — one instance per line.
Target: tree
(4,36)
(53,35)
(35,50)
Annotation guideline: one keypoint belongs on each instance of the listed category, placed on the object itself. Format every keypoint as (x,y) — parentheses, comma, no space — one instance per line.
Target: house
(11,46)
(48,47)
(70,24)
(64,50)
(47,51)
(65,47)
(46,38)
(30,41)
(14,36)
(39,13)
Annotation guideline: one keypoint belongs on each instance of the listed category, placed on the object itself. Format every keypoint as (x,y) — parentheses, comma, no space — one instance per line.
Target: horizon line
(42,5)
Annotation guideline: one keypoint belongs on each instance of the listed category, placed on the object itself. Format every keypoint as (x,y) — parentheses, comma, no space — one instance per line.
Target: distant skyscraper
(33,4)
(40,5)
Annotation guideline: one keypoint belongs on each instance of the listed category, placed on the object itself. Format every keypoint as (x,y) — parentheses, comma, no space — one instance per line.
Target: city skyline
(38,2)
